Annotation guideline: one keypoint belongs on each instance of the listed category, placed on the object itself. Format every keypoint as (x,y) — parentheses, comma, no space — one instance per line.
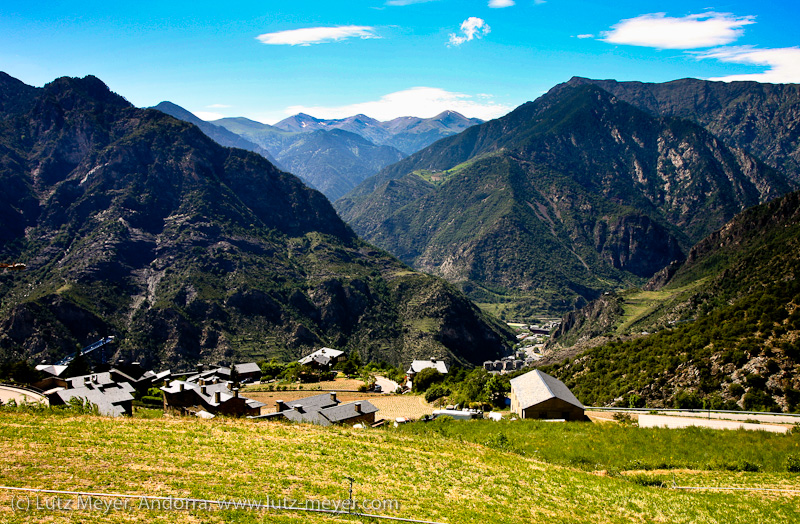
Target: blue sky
(386,58)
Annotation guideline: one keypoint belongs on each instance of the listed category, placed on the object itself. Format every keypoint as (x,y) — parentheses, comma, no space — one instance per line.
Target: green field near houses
(454,472)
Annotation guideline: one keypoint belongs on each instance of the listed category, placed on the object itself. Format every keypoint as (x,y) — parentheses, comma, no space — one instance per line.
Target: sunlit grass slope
(434,477)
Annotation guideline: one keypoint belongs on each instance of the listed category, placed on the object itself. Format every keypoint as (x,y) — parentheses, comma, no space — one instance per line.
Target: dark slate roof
(312,417)
(315,403)
(120,376)
(248,367)
(210,389)
(106,399)
(343,412)
(537,387)
(322,360)
(320,410)
(94,379)
(220,373)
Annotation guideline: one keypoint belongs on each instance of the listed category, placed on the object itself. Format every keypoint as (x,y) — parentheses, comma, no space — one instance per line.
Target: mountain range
(332,156)
(565,197)
(218,134)
(135,224)
(408,134)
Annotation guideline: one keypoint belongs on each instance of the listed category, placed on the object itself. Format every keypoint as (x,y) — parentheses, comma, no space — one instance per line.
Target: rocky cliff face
(136,224)
(636,243)
(592,320)
(763,119)
(565,197)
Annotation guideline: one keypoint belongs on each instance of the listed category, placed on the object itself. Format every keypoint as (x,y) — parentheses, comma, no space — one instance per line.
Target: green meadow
(454,472)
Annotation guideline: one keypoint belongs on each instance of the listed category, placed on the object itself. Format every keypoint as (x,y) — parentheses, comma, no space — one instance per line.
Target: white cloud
(501,3)
(586,35)
(473,27)
(783,64)
(317,35)
(207,115)
(689,32)
(423,102)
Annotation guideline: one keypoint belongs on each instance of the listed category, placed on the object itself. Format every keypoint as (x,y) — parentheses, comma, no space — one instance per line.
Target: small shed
(540,396)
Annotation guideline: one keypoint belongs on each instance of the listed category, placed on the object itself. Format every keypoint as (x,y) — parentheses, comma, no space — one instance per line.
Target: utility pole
(350,497)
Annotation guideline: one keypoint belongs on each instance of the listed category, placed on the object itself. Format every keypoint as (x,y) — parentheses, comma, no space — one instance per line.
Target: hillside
(218,134)
(136,224)
(762,118)
(561,199)
(483,481)
(727,324)
(333,161)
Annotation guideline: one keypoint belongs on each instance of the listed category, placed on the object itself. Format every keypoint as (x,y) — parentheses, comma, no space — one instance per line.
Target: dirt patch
(608,416)
(408,406)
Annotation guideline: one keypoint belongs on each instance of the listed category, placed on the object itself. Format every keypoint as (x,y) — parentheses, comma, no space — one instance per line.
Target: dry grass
(436,478)
(340,384)
(408,406)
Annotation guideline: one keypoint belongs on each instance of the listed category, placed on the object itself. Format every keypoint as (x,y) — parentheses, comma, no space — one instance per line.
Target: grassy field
(609,446)
(638,305)
(443,477)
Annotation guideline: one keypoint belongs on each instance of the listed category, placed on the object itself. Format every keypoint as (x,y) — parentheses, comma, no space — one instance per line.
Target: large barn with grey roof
(540,396)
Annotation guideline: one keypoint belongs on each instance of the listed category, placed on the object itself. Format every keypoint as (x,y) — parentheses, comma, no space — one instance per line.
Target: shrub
(736,390)
(648,481)
(425,379)
(501,442)
(152,400)
(686,400)
(757,400)
(744,465)
(436,391)
(155,392)
(793,464)
(635,401)
(624,419)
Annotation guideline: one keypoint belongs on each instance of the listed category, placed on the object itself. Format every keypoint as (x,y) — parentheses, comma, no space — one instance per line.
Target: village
(324,388)
(209,391)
